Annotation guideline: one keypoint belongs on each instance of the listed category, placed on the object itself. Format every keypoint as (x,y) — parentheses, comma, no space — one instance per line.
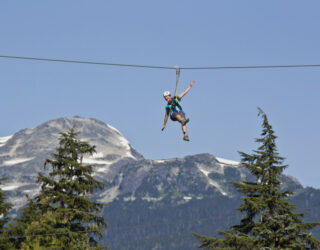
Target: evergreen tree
(4,210)
(68,218)
(269,221)
(17,230)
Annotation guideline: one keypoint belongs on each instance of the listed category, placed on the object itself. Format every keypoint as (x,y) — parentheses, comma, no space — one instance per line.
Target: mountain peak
(46,135)
(22,154)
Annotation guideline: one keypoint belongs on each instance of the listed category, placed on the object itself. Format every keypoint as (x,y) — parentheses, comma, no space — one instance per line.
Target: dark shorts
(173,115)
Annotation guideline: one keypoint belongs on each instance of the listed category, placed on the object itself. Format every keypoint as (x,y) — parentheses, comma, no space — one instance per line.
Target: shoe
(186,138)
(185,121)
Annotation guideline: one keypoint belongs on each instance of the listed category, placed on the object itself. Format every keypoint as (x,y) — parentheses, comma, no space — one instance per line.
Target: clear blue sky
(222,105)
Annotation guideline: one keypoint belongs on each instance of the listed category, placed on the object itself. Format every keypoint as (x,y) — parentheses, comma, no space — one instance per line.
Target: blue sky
(222,105)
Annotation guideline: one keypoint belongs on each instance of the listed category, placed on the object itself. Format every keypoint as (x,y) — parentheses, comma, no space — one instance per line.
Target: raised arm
(187,90)
(165,119)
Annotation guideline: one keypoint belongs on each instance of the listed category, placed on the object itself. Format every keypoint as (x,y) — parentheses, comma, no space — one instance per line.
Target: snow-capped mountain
(178,195)
(22,155)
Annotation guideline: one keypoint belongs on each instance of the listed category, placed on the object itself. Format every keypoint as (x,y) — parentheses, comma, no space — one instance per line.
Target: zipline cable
(162,67)
(253,67)
(85,62)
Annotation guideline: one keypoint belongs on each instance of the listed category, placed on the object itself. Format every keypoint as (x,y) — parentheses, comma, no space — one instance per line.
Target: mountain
(22,155)
(150,204)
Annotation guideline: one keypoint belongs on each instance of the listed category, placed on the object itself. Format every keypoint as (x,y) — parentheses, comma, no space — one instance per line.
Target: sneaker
(186,138)
(185,121)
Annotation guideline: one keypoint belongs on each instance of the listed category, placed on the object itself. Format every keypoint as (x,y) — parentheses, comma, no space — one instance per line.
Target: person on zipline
(175,111)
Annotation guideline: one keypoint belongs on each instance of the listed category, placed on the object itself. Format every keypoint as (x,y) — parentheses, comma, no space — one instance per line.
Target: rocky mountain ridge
(138,191)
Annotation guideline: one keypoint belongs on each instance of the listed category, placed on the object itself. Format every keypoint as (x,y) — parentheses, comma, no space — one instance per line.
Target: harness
(174,105)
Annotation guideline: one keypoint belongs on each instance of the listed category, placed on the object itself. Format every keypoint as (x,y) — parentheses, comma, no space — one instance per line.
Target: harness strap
(176,102)
(177,79)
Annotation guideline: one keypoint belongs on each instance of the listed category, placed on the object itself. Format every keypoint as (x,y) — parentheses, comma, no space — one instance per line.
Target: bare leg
(179,118)
(184,127)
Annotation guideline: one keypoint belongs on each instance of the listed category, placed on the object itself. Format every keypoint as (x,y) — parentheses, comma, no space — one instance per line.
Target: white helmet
(166,93)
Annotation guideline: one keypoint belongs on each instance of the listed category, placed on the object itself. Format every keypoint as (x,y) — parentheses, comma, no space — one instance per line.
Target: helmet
(166,93)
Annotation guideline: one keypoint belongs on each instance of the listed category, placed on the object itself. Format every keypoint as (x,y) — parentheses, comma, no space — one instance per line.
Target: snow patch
(123,142)
(113,128)
(97,162)
(14,147)
(227,162)
(11,186)
(217,186)
(104,169)
(96,159)
(97,155)
(16,161)
(160,187)
(130,198)
(211,182)
(159,161)
(175,171)
(31,191)
(28,131)
(204,171)
(187,198)
(110,194)
(148,198)
(3,140)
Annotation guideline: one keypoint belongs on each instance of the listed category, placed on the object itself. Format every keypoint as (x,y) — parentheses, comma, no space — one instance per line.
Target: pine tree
(17,230)
(269,219)
(4,210)
(68,218)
